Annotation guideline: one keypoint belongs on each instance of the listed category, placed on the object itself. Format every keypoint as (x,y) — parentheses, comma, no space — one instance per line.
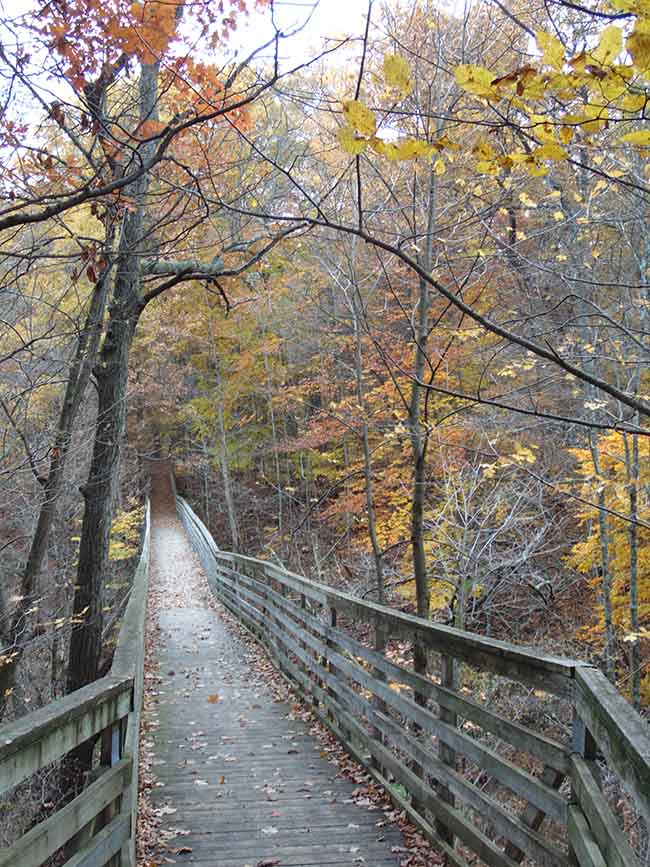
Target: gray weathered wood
(602,822)
(47,734)
(582,842)
(129,659)
(551,673)
(548,751)
(505,771)
(511,827)
(274,604)
(44,839)
(104,845)
(533,844)
(621,734)
(277,793)
(531,816)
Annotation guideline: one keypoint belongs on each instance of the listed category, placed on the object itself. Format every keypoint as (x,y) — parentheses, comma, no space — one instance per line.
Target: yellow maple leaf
(639,138)
(475,79)
(535,170)
(411,148)
(609,46)
(397,73)
(487,167)
(483,150)
(638,7)
(633,102)
(551,48)
(360,117)
(445,142)
(638,44)
(550,152)
(350,141)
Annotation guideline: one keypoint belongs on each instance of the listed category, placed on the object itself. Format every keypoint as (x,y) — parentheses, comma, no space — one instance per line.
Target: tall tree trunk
(418,434)
(606,577)
(223,441)
(633,473)
(635,650)
(225,469)
(111,373)
(14,641)
(276,452)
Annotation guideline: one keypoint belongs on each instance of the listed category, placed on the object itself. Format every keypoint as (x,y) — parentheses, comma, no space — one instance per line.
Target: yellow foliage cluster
(602,83)
(125,533)
(585,557)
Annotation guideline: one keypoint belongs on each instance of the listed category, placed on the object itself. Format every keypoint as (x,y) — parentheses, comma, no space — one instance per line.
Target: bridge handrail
(299,621)
(110,706)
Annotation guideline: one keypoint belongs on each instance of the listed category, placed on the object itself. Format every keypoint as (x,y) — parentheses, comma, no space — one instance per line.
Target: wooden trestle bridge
(244,782)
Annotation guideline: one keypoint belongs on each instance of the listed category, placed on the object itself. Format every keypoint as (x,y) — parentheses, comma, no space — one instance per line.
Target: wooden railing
(477,782)
(99,824)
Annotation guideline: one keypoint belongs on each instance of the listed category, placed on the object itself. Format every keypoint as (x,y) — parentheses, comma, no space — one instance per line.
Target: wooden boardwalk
(238,776)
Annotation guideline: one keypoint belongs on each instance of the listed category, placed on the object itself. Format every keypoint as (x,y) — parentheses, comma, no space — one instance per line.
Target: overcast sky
(330,19)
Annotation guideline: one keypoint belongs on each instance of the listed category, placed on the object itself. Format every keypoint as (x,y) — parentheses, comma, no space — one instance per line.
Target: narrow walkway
(240,781)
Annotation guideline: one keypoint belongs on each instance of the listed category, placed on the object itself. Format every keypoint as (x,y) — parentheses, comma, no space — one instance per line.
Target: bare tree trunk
(419,434)
(206,488)
(606,578)
(223,442)
(225,469)
(274,435)
(14,641)
(111,373)
(635,650)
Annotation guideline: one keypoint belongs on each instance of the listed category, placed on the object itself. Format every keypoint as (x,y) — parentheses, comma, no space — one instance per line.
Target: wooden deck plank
(237,772)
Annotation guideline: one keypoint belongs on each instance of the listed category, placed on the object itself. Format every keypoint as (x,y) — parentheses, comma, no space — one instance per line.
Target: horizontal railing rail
(463,771)
(99,823)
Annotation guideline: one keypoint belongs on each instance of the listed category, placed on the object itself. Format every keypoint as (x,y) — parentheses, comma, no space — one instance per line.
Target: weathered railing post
(113,739)
(308,651)
(583,745)
(448,677)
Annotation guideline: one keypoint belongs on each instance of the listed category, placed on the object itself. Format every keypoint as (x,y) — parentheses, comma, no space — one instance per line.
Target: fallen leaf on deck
(213,699)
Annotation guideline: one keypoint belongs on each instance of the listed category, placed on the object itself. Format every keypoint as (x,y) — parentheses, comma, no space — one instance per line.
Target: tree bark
(14,642)
(606,577)
(111,373)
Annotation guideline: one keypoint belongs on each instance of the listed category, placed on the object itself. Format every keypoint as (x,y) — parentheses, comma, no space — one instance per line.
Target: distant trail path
(241,781)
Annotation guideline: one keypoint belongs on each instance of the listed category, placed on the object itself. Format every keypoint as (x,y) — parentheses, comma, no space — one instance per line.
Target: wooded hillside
(386,309)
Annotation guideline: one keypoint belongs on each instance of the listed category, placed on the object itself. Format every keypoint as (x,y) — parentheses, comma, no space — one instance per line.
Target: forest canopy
(383,302)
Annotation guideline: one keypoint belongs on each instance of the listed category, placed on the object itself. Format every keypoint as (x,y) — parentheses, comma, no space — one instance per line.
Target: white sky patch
(319,25)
